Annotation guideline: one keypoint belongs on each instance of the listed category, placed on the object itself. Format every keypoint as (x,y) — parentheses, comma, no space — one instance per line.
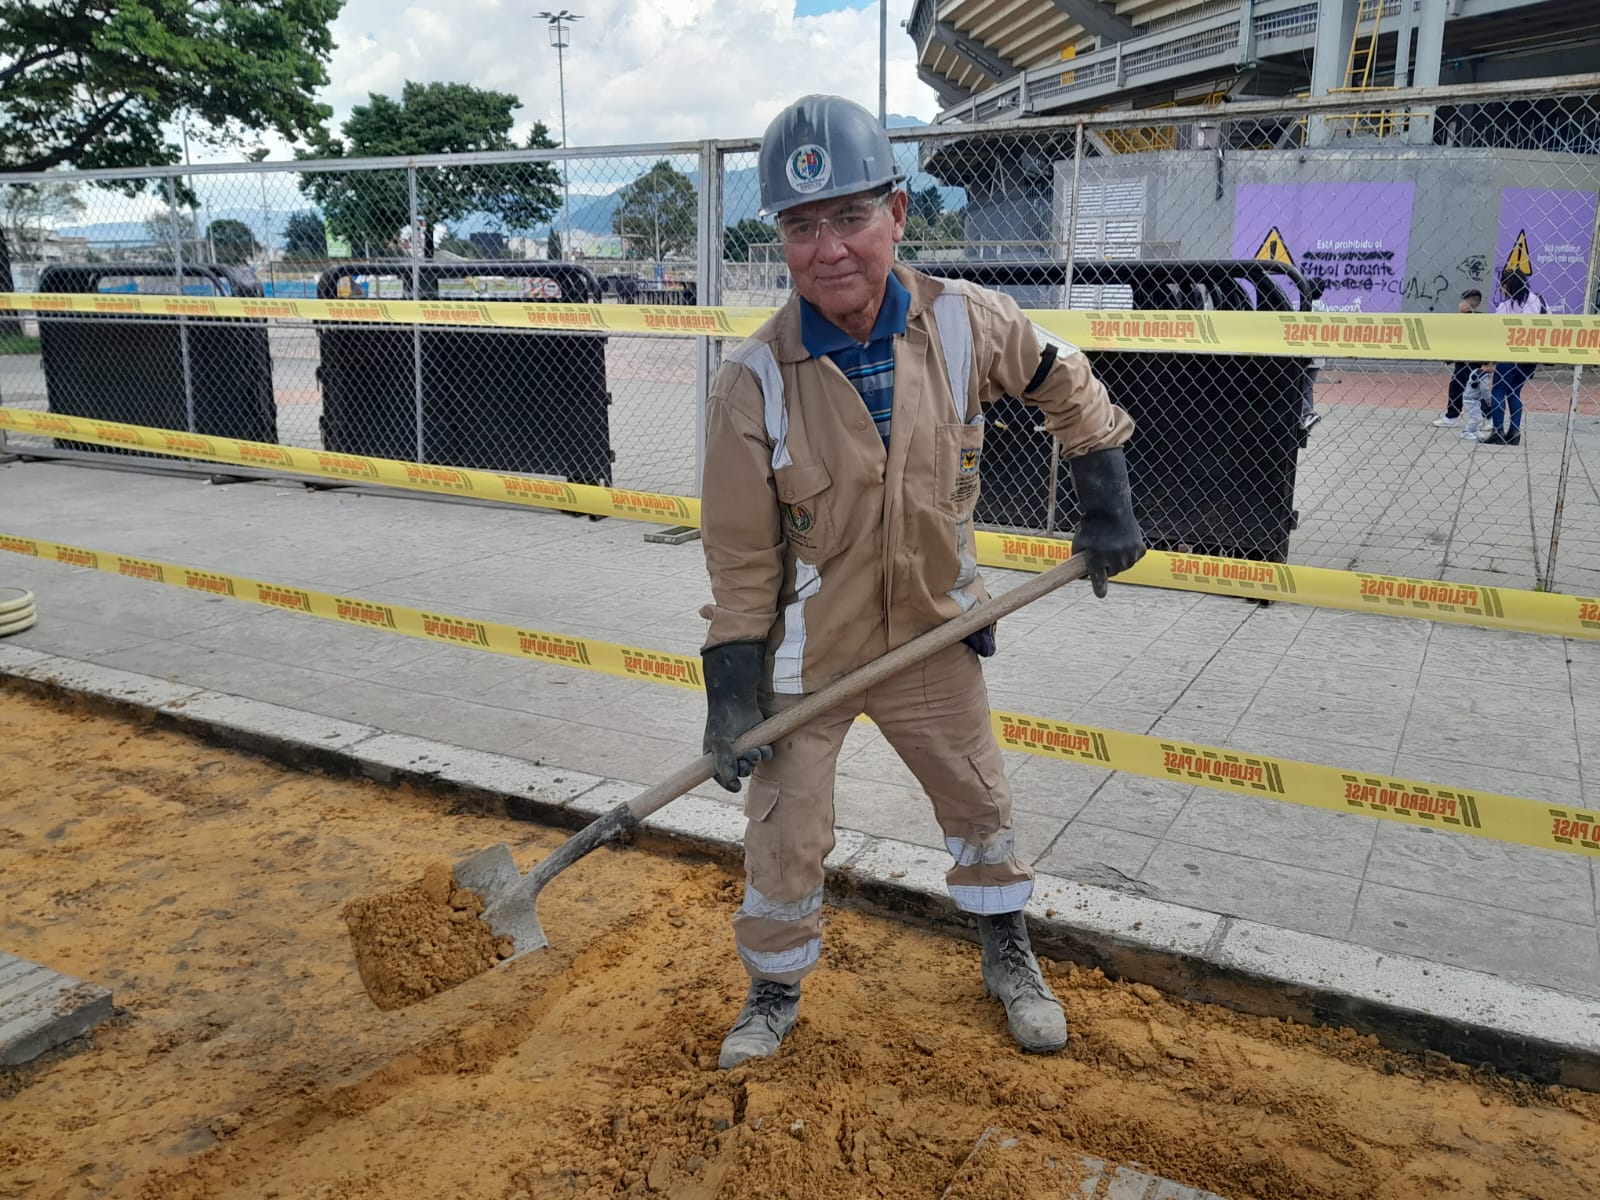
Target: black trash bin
(1212,464)
(131,368)
(500,400)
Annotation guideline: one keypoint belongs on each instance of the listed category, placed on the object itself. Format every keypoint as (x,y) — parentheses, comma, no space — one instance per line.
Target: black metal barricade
(1212,462)
(502,400)
(204,375)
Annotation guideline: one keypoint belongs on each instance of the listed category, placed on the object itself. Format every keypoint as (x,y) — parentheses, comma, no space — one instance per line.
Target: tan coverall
(833,550)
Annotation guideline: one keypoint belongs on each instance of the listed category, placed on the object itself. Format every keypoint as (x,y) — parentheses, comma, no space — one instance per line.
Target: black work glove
(982,642)
(1108,533)
(733,674)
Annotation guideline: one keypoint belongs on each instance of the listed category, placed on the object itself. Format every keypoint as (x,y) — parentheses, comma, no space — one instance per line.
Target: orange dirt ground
(206,887)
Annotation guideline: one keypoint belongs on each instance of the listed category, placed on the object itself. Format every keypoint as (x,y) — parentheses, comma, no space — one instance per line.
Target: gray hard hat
(821,147)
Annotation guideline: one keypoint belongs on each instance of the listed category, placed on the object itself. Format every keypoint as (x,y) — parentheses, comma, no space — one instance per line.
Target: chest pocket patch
(797,519)
(804,508)
(967,476)
(958,459)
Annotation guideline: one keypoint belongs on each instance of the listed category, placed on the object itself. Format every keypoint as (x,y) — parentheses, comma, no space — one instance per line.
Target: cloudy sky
(637,70)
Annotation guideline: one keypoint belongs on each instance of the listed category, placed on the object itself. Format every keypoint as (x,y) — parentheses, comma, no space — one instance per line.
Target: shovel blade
(515,917)
(507,909)
(491,873)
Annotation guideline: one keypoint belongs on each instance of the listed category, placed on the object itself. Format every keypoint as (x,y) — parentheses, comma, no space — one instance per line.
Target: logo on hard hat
(809,168)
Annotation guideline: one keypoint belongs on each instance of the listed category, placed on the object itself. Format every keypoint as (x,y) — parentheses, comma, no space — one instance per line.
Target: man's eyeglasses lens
(845,222)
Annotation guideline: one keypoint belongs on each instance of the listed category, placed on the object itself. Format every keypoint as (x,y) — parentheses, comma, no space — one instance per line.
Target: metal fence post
(1072,250)
(416,294)
(183,322)
(1549,580)
(709,284)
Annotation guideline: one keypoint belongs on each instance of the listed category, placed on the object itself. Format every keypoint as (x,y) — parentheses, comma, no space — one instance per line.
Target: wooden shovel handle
(692,775)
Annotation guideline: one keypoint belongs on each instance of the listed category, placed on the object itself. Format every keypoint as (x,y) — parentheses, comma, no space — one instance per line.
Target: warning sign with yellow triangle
(1518,260)
(1275,249)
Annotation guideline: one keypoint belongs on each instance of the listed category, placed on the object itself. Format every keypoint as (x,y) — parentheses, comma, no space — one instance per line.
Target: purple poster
(1547,234)
(1350,237)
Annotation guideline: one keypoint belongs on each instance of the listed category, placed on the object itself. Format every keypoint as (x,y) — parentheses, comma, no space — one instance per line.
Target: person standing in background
(1505,398)
(1463,381)
(1309,415)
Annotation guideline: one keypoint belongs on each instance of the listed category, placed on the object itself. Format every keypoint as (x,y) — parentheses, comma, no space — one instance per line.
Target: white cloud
(637,70)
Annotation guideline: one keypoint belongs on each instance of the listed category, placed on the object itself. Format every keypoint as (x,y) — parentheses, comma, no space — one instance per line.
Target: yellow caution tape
(1447,337)
(664,320)
(1483,814)
(358,468)
(1389,595)
(1555,613)
(609,658)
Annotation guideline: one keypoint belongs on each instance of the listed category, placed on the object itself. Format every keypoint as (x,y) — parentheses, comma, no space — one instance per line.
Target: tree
(951,227)
(927,204)
(657,211)
(947,227)
(232,241)
(552,245)
(92,83)
(371,208)
(31,211)
(737,239)
(159,231)
(305,239)
(459,246)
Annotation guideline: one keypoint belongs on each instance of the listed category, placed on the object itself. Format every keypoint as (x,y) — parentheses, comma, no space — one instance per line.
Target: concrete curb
(1409,1003)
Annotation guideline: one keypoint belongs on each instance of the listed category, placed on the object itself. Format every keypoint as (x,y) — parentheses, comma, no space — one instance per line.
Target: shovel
(509,897)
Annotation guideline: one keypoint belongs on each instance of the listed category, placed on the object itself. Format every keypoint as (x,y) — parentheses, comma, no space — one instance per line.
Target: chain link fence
(1343,462)
(613,228)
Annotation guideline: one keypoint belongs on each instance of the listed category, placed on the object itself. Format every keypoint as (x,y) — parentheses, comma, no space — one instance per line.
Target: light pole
(258,152)
(557,24)
(883,62)
(205,209)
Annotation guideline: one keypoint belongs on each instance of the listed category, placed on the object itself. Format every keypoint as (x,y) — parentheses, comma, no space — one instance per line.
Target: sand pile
(422,939)
(253,1067)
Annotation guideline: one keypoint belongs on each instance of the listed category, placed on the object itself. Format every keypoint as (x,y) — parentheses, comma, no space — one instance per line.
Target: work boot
(769,1013)
(1011,974)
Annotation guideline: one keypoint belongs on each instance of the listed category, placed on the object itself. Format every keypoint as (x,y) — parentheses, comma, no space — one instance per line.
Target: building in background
(1394,207)
(1004,58)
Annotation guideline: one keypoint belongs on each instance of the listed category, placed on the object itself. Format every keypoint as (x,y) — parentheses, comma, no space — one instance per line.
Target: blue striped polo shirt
(868,365)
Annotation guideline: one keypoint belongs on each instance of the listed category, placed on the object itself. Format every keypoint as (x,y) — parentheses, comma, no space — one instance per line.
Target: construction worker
(844,442)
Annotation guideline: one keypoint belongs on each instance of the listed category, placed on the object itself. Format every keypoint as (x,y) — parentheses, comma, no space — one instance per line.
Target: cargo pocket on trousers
(992,778)
(760,798)
(989,774)
(764,842)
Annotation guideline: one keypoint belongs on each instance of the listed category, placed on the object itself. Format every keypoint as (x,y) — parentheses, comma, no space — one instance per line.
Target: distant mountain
(593,214)
(137,233)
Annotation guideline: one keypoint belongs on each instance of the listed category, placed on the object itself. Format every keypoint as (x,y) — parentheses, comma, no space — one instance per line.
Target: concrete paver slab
(1275,832)
(1481,936)
(41,1008)
(1272,893)
(1520,878)
(1100,855)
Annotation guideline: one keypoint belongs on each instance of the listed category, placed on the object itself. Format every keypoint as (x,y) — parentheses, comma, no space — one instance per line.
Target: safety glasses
(846,221)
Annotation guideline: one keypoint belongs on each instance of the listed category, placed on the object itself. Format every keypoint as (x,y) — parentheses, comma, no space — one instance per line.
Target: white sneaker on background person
(1447,422)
